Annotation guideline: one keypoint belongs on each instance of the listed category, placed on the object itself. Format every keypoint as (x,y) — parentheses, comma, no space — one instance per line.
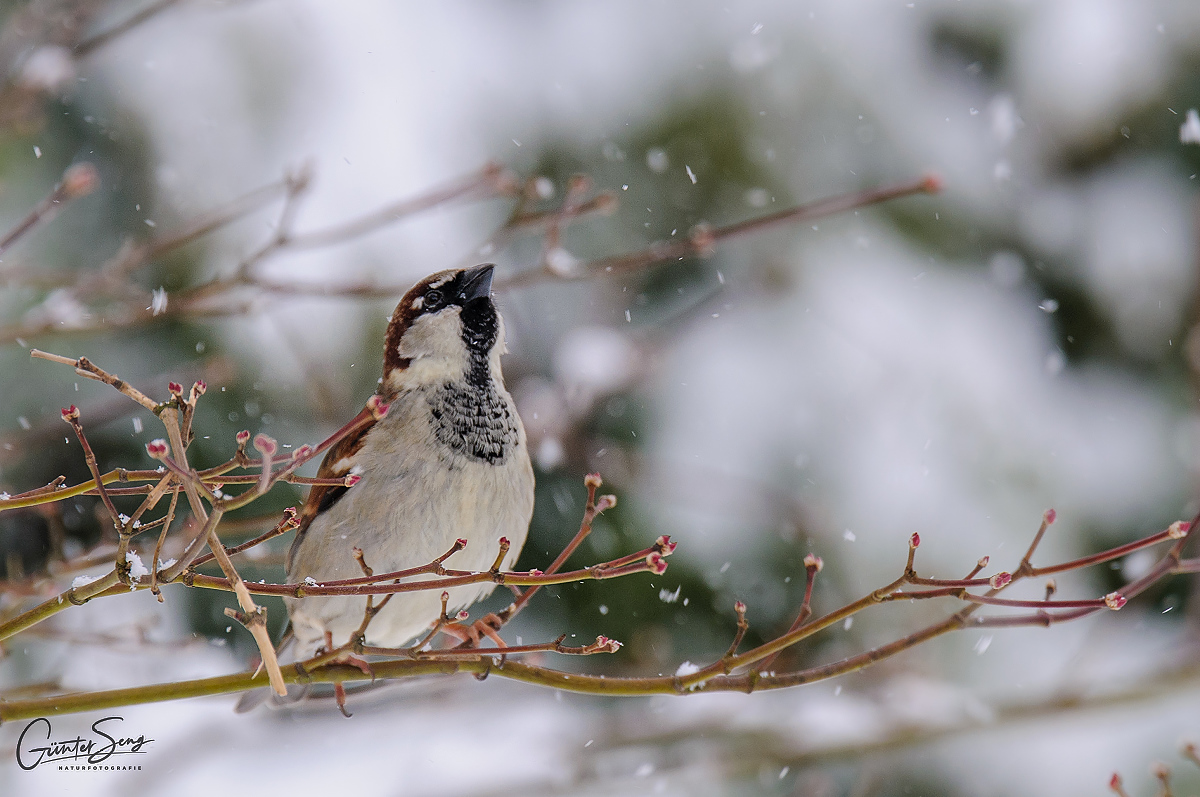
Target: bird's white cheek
(437,335)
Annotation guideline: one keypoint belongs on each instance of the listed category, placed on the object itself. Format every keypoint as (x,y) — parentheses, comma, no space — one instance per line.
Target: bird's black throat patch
(471,417)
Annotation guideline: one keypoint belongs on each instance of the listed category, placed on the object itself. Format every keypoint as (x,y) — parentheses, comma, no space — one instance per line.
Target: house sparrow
(447,461)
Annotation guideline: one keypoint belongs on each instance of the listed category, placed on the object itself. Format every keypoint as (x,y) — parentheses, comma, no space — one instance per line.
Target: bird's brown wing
(338,461)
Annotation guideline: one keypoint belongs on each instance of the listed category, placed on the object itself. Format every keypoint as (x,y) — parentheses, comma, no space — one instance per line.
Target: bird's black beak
(476,283)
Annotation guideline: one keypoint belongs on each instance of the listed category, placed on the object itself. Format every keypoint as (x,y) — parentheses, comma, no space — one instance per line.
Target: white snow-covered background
(831,387)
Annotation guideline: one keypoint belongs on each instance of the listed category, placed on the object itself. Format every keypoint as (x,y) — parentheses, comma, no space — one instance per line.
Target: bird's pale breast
(419,492)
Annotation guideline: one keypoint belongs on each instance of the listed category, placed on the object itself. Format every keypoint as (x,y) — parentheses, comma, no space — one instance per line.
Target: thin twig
(78,181)
(702,239)
(93,43)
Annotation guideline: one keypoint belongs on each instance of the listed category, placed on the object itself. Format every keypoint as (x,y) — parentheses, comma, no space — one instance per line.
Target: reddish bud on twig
(578,184)
(813,562)
(79,180)
(175,389)
(739,607)
(265,444)
(605,502)
(289,512)
(592,481)
(505,180)
(158,448)
(914,541)
(535,572)
(999,580)
(460,543)
(1051,587)
(1114,783)
(606,645)
(1050,516)
(377,407)
(932,184)
(606,203)
(243,437)
(504,543)
(665,546)
(201,387)
(463,614)
(983,562)
(352,479)
(1190,753)
(702,239)
(70,414)
(1178,530)
(302,451)
(1114,600)
(658,564)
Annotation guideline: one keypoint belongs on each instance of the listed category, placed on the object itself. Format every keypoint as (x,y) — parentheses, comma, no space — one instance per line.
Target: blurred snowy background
(952,365)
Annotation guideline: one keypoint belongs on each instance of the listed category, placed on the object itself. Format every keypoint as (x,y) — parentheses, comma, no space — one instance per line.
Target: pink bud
(302,452)
(461,542)
(1114,782)
(1114,600)
(535,572)
(200,388)
(352,479)
(813,562)
(70,414)
(657,563)
(605,503)
(289,512)
(504,543)
(932,184)
(999,580)
(265,444)
(914,541)
(592,481)
(243,437)
(605,203)
(445,595)
(377,407)
(578,184)
(702,239)
(157,448)
(983,562)
(739,607)
(665,545)
(79,180)
(175,388)
(462,615)
(1178,530)
(1050,516)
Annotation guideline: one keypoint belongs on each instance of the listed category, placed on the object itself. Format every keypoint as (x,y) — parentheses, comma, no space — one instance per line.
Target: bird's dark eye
(433,299)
